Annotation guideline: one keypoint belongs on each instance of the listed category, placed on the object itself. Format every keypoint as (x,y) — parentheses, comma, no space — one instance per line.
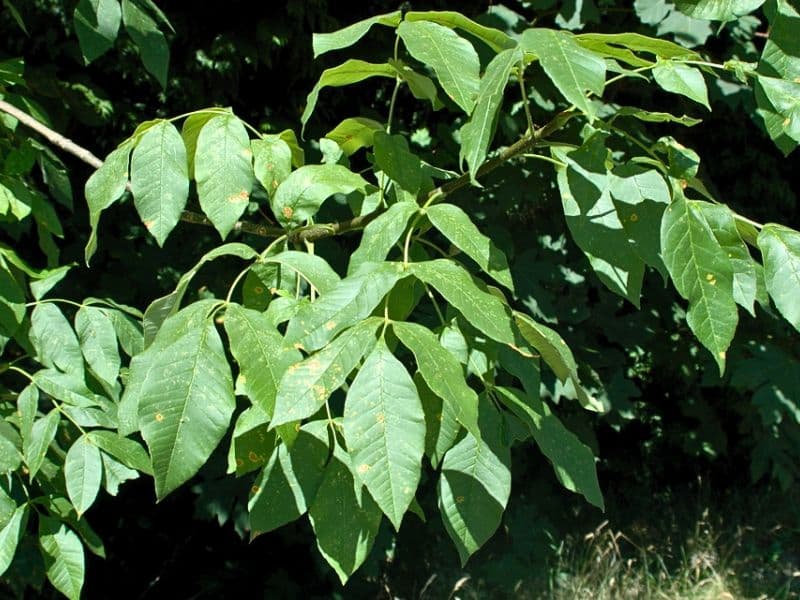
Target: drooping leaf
(780,247)
(103,188)
(384,427)
(10,535)
(347,36)
(452,58)
(223,169)
(312,268)
(442,373)
(682,79)
(149,40)
(184,420)
(572,460)
(350,301)
(717,10)
(573,69)
(83,471)
(350,71)
(477,133)
(558,356)
(354,133)
(54,339)
(381,235)
(62,552)
(98,341)
(622,46)
(784,101)
(272,161)
(421,86)
(457,227)
(127,451)
(301,194)
(393,157)
(656,117)
(115,474)
(584,184)
(258,348)
(159,179)
(746,274)
(289,482)
(344,516)
(306,386)
(702,273)
(484,311)
(475,485)
(251,443)
(96,24)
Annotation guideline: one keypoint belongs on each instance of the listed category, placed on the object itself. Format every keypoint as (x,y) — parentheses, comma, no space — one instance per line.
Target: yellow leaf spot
(298,346)
(330,325)
(787,121)
(287,212)
(684,184)
(258,289)
(242,196)
(297,426)
(380,418)
(634,218)
(320,391)
(255,489)
(722,355)
(253,457)
(274,184)
(239,463)
(148,224)
(247,153)
(363,468)
(159,417)
(711,279)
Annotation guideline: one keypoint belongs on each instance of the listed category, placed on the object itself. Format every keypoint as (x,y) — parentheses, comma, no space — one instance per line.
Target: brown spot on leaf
(287,212)
(239,463)
(634,218)
(242,196)
(460,499)
(255,489)
(148,224)
(159,417)
(330,325)
(363,468)
(380,418)
(258,289)
(253,457)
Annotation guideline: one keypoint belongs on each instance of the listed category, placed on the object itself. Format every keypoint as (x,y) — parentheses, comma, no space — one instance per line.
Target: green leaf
(352,300)
(494,38)
(780,248)
(67,387)
(166,306)
(159,179)
(9,203)
(98,341)
(623,45)
(129,334)
(347,36)
(302,193)
(312,268)
(784,100)
(54,339)
(572,460)
(475,485)
(640,197)
(12,302)
(62,552)
(702,273)
(457,227)
(289,482)
(149,40)
(584,184)
(184,421)
(558,356)
(345,518)
(451,57)
(682,79)
(441,423)
(469,296)
(393,157)
(477,133)
(104,187)
(83,471)
(128,452)
(10,535)
(272,161)
(190,131)
(306,386)
(381,234)
(442,373)
(354,133)
(223,169)
(351,71)
(251,442)
(384,427)
(746,272)
(10,452)
(656,117)
(96,24)
(258,348)
(115,474)
(573,69)
(717,10)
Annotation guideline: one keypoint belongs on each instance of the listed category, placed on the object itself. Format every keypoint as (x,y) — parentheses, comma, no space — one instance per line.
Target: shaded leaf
(149,40)
(780,247)
(62,552)
(682,79)
(96,24)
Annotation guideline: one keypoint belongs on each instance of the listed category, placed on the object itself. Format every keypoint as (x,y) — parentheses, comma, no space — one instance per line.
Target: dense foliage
(501,233)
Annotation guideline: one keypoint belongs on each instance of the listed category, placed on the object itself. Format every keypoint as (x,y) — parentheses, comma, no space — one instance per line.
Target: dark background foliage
(678,437)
